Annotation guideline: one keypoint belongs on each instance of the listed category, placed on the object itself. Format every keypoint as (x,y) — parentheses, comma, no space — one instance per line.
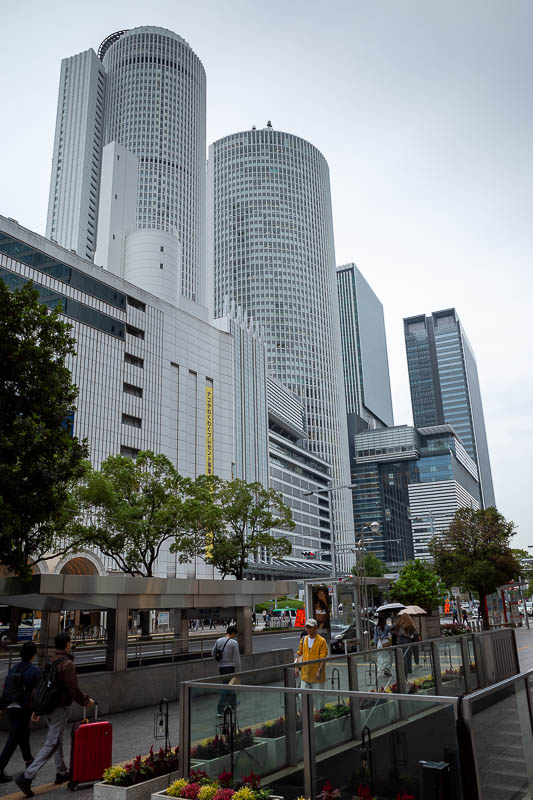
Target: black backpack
(15,689)
(47,694)
(218,653)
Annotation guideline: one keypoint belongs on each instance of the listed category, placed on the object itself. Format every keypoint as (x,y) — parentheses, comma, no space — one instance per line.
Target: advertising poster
(321,609)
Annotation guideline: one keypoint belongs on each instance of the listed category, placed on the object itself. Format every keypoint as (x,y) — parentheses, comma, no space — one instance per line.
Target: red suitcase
(90,751)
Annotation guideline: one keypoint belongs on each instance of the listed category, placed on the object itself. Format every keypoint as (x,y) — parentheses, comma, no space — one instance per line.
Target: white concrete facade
(75,182)
(143,366)
(117,206)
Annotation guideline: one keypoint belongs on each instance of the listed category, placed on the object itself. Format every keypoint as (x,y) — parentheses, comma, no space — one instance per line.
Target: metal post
(353,686)
(526,616)
(437,673)
(401,680)
(465,655)
(308,742)
(290,717)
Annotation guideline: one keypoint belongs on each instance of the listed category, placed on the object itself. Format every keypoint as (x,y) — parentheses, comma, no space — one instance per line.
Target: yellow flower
(112,773)
(207,792)
(175,789)
(244,794)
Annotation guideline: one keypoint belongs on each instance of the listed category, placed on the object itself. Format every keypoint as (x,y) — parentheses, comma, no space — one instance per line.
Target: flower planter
(332,733)
(139,791)
(381,715)
(163,796)
(246,760)
(274,752)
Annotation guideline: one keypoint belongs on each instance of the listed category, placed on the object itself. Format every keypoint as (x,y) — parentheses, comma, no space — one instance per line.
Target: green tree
(39,457)
(374,567)
(475,553)
(239,521)
(131,507)
(418,585)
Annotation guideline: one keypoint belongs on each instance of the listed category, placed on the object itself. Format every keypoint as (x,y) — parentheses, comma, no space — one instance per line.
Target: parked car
(341,633)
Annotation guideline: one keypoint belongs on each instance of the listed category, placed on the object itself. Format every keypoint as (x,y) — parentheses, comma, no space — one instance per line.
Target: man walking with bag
(226,653)
(57,688)
(20,683)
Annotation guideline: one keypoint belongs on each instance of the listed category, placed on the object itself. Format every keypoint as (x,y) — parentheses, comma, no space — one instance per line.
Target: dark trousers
(19,736)
(227,697)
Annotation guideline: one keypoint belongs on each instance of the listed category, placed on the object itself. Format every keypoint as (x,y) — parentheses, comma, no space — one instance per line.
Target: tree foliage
(419,585)
(374,567)
(238,521)
(475,552)
(39,458)
(130,508)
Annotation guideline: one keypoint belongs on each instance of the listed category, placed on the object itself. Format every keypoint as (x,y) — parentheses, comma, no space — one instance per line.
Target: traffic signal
(309,554)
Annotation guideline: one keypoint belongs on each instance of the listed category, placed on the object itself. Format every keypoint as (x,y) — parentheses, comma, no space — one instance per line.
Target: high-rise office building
(145,91)
(411,482)
(364,351)
(271,250)
(445,385)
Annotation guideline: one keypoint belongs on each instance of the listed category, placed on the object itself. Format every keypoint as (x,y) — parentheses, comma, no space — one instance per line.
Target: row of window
(62,272)
(71,308)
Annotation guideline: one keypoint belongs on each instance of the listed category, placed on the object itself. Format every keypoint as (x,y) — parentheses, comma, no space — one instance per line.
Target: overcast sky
(423,111)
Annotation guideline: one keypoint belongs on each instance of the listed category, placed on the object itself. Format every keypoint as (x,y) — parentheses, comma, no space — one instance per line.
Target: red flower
(191,791)
(328,792)
(363,792)
(225,779)
(405,796)
(253,779)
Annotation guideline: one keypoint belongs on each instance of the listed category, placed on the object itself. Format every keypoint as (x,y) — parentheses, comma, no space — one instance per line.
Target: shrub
(191,791)
(175,789)
(207,792)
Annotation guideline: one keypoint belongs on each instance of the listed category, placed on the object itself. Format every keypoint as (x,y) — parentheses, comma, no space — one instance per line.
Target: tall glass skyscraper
(364,351)
(271,250)
(144,90)
(445,385)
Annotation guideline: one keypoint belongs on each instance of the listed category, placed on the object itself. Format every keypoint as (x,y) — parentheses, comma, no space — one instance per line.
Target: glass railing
(297,740)
(500,725)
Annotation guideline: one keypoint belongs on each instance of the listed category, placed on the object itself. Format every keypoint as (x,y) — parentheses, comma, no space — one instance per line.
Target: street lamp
(333,543)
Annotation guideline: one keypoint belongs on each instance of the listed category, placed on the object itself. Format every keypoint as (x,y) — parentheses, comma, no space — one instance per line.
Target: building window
(133,360)
(134,303)
(161,249)
(129,452)
(161,266)
(133,331)
(135,391)
(133,422)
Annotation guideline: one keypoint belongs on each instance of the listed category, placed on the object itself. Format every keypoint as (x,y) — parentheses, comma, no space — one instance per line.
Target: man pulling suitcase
(52,697)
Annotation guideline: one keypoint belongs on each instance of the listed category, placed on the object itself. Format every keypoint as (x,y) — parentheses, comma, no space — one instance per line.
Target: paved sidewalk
(133,733)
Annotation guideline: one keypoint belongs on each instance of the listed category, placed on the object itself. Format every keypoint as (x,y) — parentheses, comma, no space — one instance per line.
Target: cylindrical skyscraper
(271,250)
(155,108)
(145,91)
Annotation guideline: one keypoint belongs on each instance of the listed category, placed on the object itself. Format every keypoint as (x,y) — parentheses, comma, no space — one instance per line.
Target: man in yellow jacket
(312,647)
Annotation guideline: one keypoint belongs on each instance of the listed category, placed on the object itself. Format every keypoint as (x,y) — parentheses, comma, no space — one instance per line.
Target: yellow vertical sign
(209,462)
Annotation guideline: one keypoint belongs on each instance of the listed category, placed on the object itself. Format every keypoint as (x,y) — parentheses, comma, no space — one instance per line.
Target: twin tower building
(252,233)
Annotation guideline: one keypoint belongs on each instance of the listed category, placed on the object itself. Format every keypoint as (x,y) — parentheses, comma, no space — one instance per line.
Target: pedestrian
(20,682)
(264,616)
(312,646)
(407,634)
(455,614)
(382,639)
(56,719)
(465,616)
(212,624)
(254,618)
(226,652)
